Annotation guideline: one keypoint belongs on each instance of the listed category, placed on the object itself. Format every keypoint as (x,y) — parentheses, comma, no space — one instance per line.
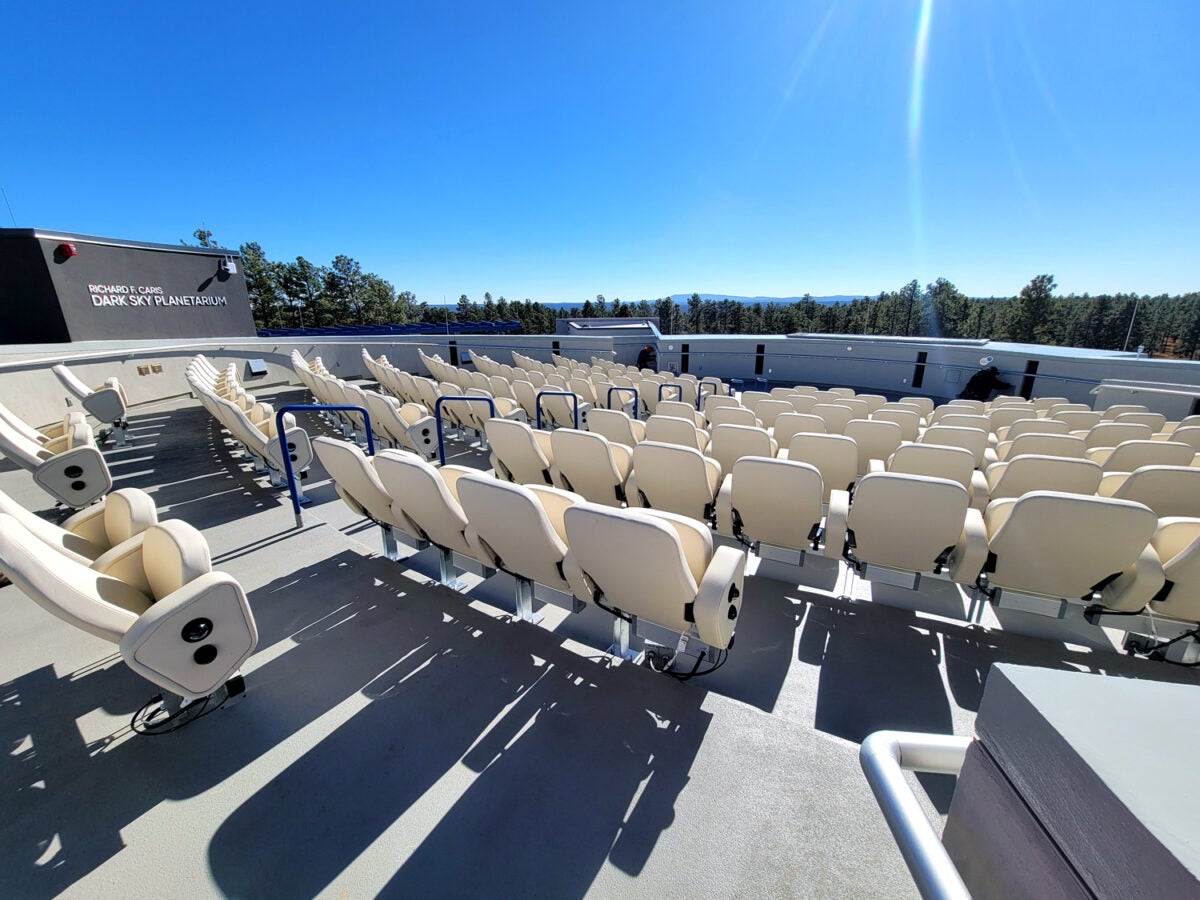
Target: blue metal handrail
(437,415)
(574,404)
(713,383)
(671,384)
(634,391)
(286,453)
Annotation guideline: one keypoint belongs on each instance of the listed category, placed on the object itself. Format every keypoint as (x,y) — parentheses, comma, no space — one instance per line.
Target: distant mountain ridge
(682,299)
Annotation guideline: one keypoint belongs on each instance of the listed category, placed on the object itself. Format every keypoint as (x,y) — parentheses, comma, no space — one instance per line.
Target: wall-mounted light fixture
(229,265)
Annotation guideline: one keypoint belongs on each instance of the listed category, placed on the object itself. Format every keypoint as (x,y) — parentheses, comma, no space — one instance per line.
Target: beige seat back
(617,426)
(906,522)
(834,415)
(731,442)
(87,534)
(1111,413)
(1132,455)
(679,410)
(972,439)
(1004,416)
(875,440)
(842,392)
(591,466)
(1168,490)
(835,456)
(934,461)
(426,496)
(776,501)
(517,529)
(1152,420)
(976,407)
(1034,426)
(668,430)
(1067,445)
(732,415)
(768,411)
(676,479)
(1077,419)
(1045,404)
(1187,434)
(526,395)
(1019,475)
(966,421)
(638,560)
(802,403)
(714,401)
(1053,544)
(874,402)
(908,420)
(1110,434)
(923,403)
(859,409)
(519,453)
(789,425)
(356,481)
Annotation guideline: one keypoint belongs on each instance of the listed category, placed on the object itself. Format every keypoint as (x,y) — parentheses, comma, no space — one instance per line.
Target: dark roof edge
(111,242)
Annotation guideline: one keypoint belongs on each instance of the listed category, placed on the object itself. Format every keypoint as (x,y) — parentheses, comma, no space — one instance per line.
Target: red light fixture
(66,249)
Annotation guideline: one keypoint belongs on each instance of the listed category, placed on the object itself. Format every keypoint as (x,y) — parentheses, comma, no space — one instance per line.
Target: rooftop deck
(400,738)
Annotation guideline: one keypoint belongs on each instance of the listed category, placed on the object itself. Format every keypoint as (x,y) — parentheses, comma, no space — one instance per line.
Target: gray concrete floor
(399,738)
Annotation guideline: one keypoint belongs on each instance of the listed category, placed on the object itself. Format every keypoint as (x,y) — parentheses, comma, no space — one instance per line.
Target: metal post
(437,415)
(524,601)
(285,454)
(537,403)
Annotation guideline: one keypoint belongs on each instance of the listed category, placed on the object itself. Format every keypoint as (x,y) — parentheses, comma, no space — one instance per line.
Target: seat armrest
(1137,585)
(876,465)
(718,600)
(725,508)
(979,490)
(835,523)
(970,553)
(581,585)
(154,646)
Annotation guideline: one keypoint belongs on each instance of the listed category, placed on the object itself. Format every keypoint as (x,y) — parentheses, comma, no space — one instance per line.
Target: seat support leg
(389,543)
(447,573)
(620,644)
(524,602)
(119,433)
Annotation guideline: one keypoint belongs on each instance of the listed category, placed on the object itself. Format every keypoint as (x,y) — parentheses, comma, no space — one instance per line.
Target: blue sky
(557,151)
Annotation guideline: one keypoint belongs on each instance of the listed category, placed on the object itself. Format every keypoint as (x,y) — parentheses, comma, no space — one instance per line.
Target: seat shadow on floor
(561,743)
(69,801)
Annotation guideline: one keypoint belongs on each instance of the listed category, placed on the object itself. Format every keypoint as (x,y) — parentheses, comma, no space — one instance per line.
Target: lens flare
(916,99)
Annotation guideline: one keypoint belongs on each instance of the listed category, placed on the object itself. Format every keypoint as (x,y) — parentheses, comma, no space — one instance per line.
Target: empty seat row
(252,424)
(547,535)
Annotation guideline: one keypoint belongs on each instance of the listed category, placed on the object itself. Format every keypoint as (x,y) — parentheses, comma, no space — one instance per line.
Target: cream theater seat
(427,496)
(519,453)
(592,466)
(1154,421)
(974,440)
(1077,419)
(1111,413)
(1067,445)
(874,440)
(1020,475)
(1110,434)
(680,410)
(617,426)
(834,415)
(177,623)
(935,461)
(1069,547)
(106,403)
(1176,541)
(835,456)
(789,425)
(651,568)
(519,529)
(69,468)
(358,484)
(909,525)
(675,479)
(775,505)
(668,430)
(92,531)
(731,442)
(768,411)
(1168,490)
(909,421)
(1132,455)
(405,427)
(732,415)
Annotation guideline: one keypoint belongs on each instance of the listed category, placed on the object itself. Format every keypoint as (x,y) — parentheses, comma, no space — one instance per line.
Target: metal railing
(574,404)
(437,415)
(884,756)
(286,453)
